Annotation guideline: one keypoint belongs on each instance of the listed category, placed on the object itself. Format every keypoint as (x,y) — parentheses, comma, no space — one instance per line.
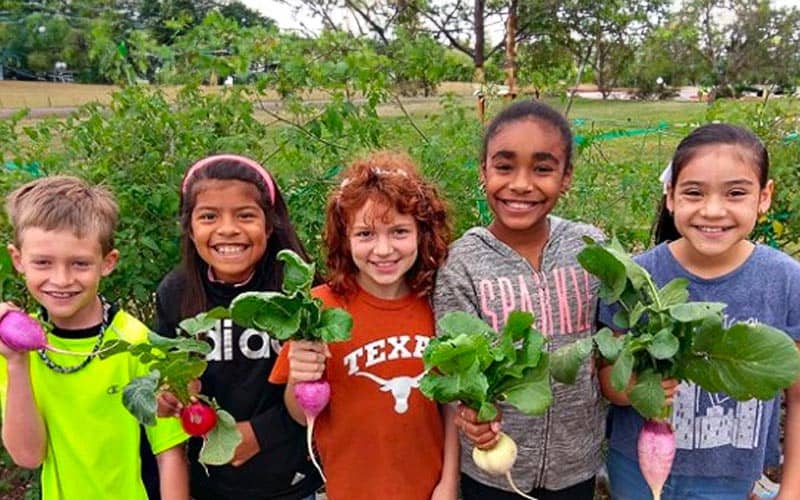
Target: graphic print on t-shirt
(386,350)
(705,420)
(252,344)
(562,300)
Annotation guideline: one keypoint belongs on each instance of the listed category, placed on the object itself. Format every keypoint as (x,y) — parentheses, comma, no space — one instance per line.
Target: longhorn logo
(399,387)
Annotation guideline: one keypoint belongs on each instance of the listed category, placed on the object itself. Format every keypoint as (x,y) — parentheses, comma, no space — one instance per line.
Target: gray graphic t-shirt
(718,436)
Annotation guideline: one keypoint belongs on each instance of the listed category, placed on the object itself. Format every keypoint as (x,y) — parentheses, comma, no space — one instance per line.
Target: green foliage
(293,314)
(665,336)
(471,363)
(416,62)
(11,477)
(775,122)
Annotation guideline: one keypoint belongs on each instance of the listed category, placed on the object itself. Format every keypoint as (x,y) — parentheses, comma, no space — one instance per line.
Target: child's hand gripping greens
(307,360)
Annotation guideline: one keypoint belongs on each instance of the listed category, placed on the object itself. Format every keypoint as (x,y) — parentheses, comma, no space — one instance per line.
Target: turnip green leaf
(746,361)
(468,386)
(566,361)
(198,324)
(297,274)
(292,314)
(608,344)
(647,395)
(607,268)
(532,394)
(220,444)
(334,325)
(139,397)
(664,345)
(459,322)
(622,369)
(695,311)
(471,363)
(675,292)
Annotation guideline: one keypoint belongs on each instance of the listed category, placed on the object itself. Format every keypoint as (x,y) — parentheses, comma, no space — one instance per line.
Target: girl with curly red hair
(386,234)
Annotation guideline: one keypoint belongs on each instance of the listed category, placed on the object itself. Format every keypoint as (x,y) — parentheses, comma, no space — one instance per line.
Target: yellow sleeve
(167,432)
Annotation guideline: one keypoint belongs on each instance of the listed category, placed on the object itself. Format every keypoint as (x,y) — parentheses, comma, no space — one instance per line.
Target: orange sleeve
(280,371)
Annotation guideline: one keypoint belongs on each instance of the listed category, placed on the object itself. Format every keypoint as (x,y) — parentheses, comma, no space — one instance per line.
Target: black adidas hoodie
(236,376)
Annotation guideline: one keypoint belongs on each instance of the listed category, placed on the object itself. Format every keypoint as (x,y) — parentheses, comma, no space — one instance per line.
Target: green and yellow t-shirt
(92,440)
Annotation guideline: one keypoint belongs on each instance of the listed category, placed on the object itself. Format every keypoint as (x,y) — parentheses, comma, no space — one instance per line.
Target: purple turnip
(656,449)
(312,397)
(22,333)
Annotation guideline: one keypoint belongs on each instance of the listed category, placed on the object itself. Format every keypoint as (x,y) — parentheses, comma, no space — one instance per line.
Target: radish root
(514,487)
(309,435)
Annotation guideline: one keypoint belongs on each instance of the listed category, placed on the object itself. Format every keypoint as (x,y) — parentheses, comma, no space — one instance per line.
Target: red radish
(656,449)
(499,459)
(312,397)
(22,333)
(197,419)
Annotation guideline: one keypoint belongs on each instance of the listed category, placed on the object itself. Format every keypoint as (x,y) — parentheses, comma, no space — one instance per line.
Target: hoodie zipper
(540,480)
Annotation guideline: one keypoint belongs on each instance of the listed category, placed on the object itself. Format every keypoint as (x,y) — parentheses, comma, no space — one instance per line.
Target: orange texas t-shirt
(379,437)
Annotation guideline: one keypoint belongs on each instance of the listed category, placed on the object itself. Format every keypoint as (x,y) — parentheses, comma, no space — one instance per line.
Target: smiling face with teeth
(715,204)
(62,272)
(229,228)
(524,173)
(384,246)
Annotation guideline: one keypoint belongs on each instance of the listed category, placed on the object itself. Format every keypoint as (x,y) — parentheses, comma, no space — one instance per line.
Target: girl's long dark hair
(708,135)
(283,235)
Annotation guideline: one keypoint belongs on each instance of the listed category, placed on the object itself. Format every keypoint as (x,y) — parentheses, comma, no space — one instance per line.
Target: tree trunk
(511,50)
(479,42)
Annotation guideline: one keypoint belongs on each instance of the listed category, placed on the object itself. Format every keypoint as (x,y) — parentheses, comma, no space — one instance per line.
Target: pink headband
(239,159)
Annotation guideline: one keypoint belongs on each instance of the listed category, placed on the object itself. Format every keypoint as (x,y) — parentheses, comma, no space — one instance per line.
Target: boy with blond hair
(65,412)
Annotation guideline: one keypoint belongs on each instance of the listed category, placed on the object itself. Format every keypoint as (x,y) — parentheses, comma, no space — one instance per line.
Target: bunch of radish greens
(174,363)
(471,363)
(293,314)
(664,336)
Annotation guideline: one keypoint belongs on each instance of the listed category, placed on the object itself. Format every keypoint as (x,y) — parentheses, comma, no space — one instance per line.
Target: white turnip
(312,397)
(656,448)
(499,459)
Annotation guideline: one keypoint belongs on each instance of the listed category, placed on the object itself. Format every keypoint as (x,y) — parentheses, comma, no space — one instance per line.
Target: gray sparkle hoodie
(485,277)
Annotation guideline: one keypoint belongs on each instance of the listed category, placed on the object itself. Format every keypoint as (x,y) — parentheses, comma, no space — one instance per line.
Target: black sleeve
(168,299)
(275,428)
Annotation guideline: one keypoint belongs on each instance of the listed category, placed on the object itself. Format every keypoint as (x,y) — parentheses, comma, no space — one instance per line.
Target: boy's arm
(790,483)
(447,489)
(24,434)
(173,472)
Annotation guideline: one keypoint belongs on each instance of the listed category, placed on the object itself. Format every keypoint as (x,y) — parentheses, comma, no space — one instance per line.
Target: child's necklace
(74,368)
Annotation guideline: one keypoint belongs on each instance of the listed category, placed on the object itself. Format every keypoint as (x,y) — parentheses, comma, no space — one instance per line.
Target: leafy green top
(471,363)
(292,313)
(667,336)
(174,363)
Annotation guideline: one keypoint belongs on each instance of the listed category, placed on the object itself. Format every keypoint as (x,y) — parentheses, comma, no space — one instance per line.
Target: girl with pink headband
(234,222)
